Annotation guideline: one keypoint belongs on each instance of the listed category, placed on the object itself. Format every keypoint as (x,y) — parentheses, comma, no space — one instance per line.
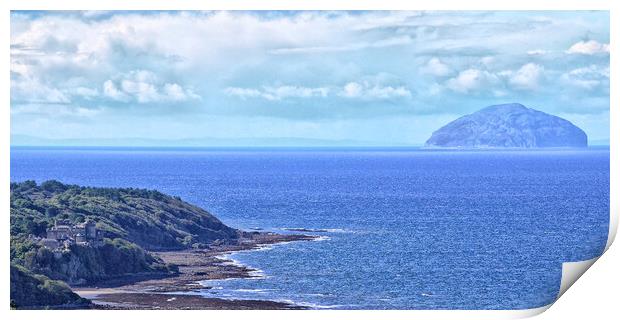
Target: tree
(51,212)
(53,186)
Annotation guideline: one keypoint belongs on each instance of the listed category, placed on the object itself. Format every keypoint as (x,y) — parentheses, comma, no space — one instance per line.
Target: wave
(257,274)
(317,306)
(338,230)
(322,238)
(263,247)
(228,260)
(317,230)
(318,294)
(254,290)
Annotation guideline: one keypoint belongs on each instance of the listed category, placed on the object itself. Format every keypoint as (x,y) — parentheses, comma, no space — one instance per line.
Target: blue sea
(400,228)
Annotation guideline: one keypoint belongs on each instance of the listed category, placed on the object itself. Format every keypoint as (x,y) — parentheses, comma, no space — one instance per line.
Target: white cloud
(242,92)
(537,52)
(588,47)
(389,42)
(354,90)
(389,92)
(435,67)
(176,93)
(143,91)
(145,87)
(86,93)
(434,89)
(283,92)
(32,90)
(367,91)
(95,13)
(587,78)
(505,74)
(592,70)
(488,61)
(471,80)
(277,93)
(54,110)
(110,90)
(527,77)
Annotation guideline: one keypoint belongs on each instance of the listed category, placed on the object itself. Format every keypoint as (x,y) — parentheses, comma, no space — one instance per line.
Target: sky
(380,77)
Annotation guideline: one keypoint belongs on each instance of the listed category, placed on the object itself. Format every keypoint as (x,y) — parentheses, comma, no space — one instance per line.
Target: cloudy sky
(381,77)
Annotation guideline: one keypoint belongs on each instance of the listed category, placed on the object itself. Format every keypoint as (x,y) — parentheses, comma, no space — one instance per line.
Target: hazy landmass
(509,126)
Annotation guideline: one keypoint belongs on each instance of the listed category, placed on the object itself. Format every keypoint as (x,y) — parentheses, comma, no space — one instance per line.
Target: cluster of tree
(133,221)
(148,218)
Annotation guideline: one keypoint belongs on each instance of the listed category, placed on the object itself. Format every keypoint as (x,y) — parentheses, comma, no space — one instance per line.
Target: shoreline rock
(195,265)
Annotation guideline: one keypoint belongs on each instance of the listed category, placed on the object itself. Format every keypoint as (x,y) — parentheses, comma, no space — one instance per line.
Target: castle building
(64,234)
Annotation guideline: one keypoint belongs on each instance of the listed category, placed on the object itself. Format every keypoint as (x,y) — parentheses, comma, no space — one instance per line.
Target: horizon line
(422,146)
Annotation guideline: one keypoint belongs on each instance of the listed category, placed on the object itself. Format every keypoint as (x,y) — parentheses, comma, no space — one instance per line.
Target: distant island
(135,243)
(508,126)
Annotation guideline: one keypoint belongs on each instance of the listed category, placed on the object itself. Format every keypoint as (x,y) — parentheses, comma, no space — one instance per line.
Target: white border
(574,269)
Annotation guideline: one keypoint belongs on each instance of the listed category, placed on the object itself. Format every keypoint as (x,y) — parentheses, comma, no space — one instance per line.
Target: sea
(398,228)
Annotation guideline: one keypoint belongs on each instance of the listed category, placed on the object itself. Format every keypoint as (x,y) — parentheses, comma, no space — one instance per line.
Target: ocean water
(400,228)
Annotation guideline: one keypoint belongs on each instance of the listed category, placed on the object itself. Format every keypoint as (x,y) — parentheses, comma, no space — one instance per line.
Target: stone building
(64,234)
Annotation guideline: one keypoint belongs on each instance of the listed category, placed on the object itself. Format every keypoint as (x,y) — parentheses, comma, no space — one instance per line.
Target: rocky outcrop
(80,265)
(508,126)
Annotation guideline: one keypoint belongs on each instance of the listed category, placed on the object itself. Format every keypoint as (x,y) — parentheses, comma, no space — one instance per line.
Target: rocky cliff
(508,126)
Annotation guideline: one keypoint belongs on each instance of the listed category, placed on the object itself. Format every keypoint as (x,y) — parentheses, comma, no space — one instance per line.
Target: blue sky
(380,77)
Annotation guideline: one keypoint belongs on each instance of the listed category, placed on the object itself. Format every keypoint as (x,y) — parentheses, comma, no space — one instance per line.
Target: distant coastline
(290,148)
(204,142)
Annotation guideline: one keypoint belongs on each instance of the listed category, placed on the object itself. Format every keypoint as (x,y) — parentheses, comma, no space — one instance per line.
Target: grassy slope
(150,219)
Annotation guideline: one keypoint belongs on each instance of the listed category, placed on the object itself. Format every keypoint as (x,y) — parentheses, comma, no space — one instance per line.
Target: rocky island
(508,126)
(121,248)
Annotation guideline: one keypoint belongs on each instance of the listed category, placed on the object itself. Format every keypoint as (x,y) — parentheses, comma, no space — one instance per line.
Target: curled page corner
(572,271)
(532,312)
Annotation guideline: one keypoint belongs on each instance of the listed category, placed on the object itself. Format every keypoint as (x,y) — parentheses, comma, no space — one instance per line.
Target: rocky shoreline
(156,291)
